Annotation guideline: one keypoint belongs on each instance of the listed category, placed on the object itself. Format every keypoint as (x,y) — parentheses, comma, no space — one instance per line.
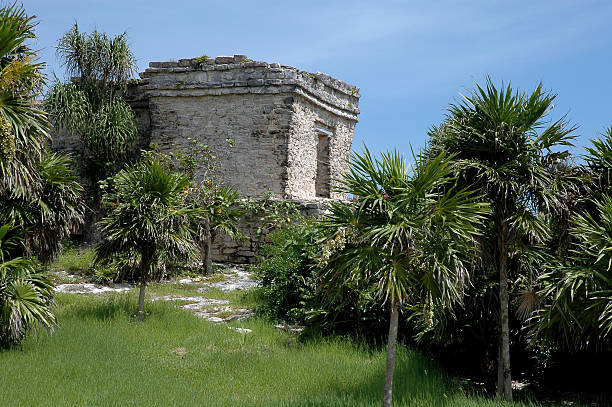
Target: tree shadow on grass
(100,307)
(417,382)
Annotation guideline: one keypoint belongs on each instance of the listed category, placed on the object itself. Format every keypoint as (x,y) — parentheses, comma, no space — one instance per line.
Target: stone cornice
(189,77)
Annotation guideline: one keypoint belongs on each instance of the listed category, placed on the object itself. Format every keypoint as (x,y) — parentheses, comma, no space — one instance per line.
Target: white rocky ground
(89,288)
(232,278)
(210,308)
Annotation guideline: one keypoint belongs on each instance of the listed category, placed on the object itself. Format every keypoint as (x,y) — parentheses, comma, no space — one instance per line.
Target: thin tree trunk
(206,247)
(504,385)
(500,367)
(141,300)
(391,348)
(146,262)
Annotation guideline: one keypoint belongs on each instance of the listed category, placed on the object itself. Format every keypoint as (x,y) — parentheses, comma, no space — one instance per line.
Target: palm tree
(577,287)
(26,292)
(91,104)
(504,146)
(577,312)
(54,214)
(407,232)
(23,126)
(147,216)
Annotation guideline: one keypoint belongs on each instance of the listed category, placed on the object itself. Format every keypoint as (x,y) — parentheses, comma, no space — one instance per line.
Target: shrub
(287,272)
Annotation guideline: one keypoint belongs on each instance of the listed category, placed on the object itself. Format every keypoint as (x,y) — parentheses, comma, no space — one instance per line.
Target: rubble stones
(88,288)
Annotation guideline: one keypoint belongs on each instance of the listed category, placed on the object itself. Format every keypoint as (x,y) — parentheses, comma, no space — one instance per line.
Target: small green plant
(103,274)
(202,59)
(350,106)
(271,213)
(147,219)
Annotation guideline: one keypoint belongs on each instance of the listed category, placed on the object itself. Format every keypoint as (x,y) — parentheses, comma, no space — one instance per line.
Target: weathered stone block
(224,60)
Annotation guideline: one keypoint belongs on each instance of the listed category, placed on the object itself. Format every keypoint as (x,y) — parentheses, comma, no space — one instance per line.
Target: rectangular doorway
(323,177)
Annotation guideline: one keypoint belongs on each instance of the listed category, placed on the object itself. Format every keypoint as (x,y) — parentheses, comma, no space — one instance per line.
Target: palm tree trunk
(146,262)
(504,384)
(206,247)
(141,300)
(391,348)
(500,367)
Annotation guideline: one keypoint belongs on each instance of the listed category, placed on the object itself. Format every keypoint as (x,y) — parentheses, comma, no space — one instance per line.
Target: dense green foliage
(26,292)
(576,290)
(40,203)
(54,213)
(288,273)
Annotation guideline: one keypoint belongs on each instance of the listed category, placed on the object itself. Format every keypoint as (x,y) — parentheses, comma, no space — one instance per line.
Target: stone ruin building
(293,130)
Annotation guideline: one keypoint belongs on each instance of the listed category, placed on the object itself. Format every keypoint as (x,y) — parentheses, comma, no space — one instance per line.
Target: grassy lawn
(101,355)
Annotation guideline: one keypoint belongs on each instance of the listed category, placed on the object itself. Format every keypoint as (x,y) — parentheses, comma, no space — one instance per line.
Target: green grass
(74,261)
(101,355)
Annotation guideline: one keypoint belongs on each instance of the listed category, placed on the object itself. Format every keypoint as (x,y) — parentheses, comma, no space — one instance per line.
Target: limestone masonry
(293,130)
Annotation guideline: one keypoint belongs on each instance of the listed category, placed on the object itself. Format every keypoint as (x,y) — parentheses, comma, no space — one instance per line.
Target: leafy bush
(287,272)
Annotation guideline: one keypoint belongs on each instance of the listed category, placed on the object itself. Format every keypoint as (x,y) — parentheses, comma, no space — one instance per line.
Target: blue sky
(410,58)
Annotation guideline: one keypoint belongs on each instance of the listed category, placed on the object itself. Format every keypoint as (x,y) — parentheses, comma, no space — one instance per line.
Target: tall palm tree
(25,290)
(406,231)
(147,217)
(504,144)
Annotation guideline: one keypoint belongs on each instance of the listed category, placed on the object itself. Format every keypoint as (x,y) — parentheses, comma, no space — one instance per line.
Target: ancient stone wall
(274,113)
(255,123)
(308,124)
(225,250)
